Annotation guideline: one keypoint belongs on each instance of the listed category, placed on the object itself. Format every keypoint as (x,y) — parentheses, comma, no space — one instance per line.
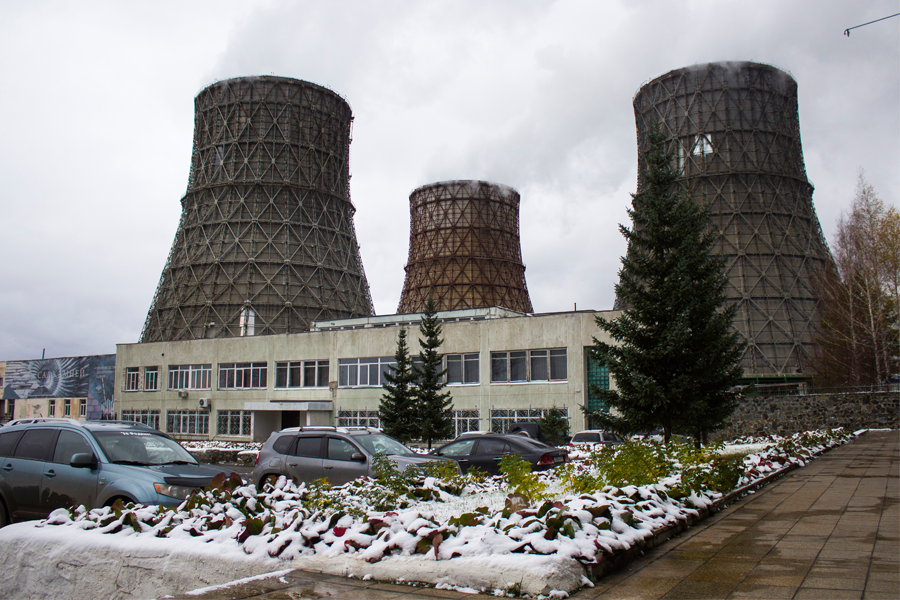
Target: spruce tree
(435,405)
(675,359)
(554,426)
(398,404)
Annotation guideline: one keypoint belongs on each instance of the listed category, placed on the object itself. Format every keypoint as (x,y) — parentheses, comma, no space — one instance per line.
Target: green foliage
(318,497)
(672,354)
(632,463)
(435,405)
(520,479)
(554,426)
(644,463)
(398,402)
(388,475)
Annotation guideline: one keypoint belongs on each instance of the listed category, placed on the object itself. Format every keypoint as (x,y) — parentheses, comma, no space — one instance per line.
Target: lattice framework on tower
(734,132)
(464,248)
(266,242)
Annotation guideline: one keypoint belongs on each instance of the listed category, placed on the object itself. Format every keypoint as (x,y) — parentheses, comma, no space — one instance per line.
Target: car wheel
(4,520)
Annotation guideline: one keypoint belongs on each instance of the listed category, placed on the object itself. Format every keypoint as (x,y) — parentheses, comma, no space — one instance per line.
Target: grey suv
(341,454)
(59,463)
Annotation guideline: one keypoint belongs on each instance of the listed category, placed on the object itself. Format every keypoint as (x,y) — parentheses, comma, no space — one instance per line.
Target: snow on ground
(474,539)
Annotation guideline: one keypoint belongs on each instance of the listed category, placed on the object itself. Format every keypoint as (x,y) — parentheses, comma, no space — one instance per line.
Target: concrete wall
(785,415)
(494,330)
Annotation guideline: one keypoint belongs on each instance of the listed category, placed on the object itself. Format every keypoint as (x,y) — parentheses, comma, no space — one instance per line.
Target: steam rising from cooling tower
(266,242)
(464,248)
(734,129)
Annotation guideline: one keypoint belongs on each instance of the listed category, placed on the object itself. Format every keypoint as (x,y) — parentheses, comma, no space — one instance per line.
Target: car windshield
(586,438)
(142,448)
(376,443)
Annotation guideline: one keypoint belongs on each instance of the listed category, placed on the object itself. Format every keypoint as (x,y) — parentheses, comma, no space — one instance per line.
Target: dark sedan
(486,451)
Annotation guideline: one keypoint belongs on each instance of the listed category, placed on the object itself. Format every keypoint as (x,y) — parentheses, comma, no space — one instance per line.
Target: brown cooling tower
(464,248)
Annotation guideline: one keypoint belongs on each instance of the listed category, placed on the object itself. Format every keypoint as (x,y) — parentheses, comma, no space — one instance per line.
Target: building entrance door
(290,418)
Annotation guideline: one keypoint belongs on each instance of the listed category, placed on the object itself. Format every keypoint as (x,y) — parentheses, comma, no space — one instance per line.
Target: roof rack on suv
(32,420)
(119,422)
(332,428)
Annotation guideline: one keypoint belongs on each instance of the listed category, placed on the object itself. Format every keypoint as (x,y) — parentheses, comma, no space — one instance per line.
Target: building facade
(77,387)
(502,367)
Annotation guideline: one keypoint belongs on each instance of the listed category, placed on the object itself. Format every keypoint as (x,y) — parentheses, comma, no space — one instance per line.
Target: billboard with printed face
(90,377)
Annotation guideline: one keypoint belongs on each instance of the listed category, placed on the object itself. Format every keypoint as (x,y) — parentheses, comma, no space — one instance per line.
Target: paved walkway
(828,530)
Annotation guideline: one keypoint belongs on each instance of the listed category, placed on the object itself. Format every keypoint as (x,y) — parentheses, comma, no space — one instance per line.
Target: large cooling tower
(266,242)
(734,130)
(464,248)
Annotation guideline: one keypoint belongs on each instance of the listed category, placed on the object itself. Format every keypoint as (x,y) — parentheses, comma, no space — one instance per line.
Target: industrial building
(734,130)
(464,249)
(502,366)
(263,318)
(266,242)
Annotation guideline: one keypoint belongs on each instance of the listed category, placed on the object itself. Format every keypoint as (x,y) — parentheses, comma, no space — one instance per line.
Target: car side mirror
(358,457)
(84,460)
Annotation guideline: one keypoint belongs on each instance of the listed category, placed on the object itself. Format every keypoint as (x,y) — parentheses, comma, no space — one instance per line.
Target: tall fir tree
(398,409)
(435,405)
(675,360)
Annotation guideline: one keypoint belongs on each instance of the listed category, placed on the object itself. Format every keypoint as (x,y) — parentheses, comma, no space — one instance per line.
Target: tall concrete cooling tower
(464,248)
(734,130)
(266,242)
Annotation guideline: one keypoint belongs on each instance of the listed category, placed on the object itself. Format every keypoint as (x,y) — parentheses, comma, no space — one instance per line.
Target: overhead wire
(847,31)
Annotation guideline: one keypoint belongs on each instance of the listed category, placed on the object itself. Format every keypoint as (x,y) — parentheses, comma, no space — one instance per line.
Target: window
(248,321)
(462,369)
(150,418)
(703,146)
(502,420)
(67,407)
(234,422)
(235,376)
(597,377)
(132,379)
(310,447)
(151,379)
(308,373)
(190,377)
(358,418)
(82,408)
(529,365)
(363,372)
(68,444)
(187,421)
(339,449)
(466,420)
(51,410)
(36,444)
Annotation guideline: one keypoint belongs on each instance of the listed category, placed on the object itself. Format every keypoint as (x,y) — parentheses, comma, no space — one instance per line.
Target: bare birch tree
(859,328)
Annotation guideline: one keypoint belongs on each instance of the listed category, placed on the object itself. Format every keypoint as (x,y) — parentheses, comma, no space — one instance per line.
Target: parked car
(340,454)
(59,463)
(485,452)
(596,436)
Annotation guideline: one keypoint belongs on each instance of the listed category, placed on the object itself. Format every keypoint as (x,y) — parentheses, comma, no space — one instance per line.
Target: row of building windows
(195,422)
(239,422)
(463,420)
(66,408)
(461,369)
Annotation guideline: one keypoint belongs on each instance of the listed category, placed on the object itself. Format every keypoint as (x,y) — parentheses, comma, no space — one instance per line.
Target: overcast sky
(96,125)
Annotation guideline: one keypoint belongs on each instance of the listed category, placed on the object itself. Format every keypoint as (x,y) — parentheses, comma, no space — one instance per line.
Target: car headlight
(179,492)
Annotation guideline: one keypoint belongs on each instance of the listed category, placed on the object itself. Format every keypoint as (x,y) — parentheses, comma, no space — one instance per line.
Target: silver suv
(340,454)
(59,463)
